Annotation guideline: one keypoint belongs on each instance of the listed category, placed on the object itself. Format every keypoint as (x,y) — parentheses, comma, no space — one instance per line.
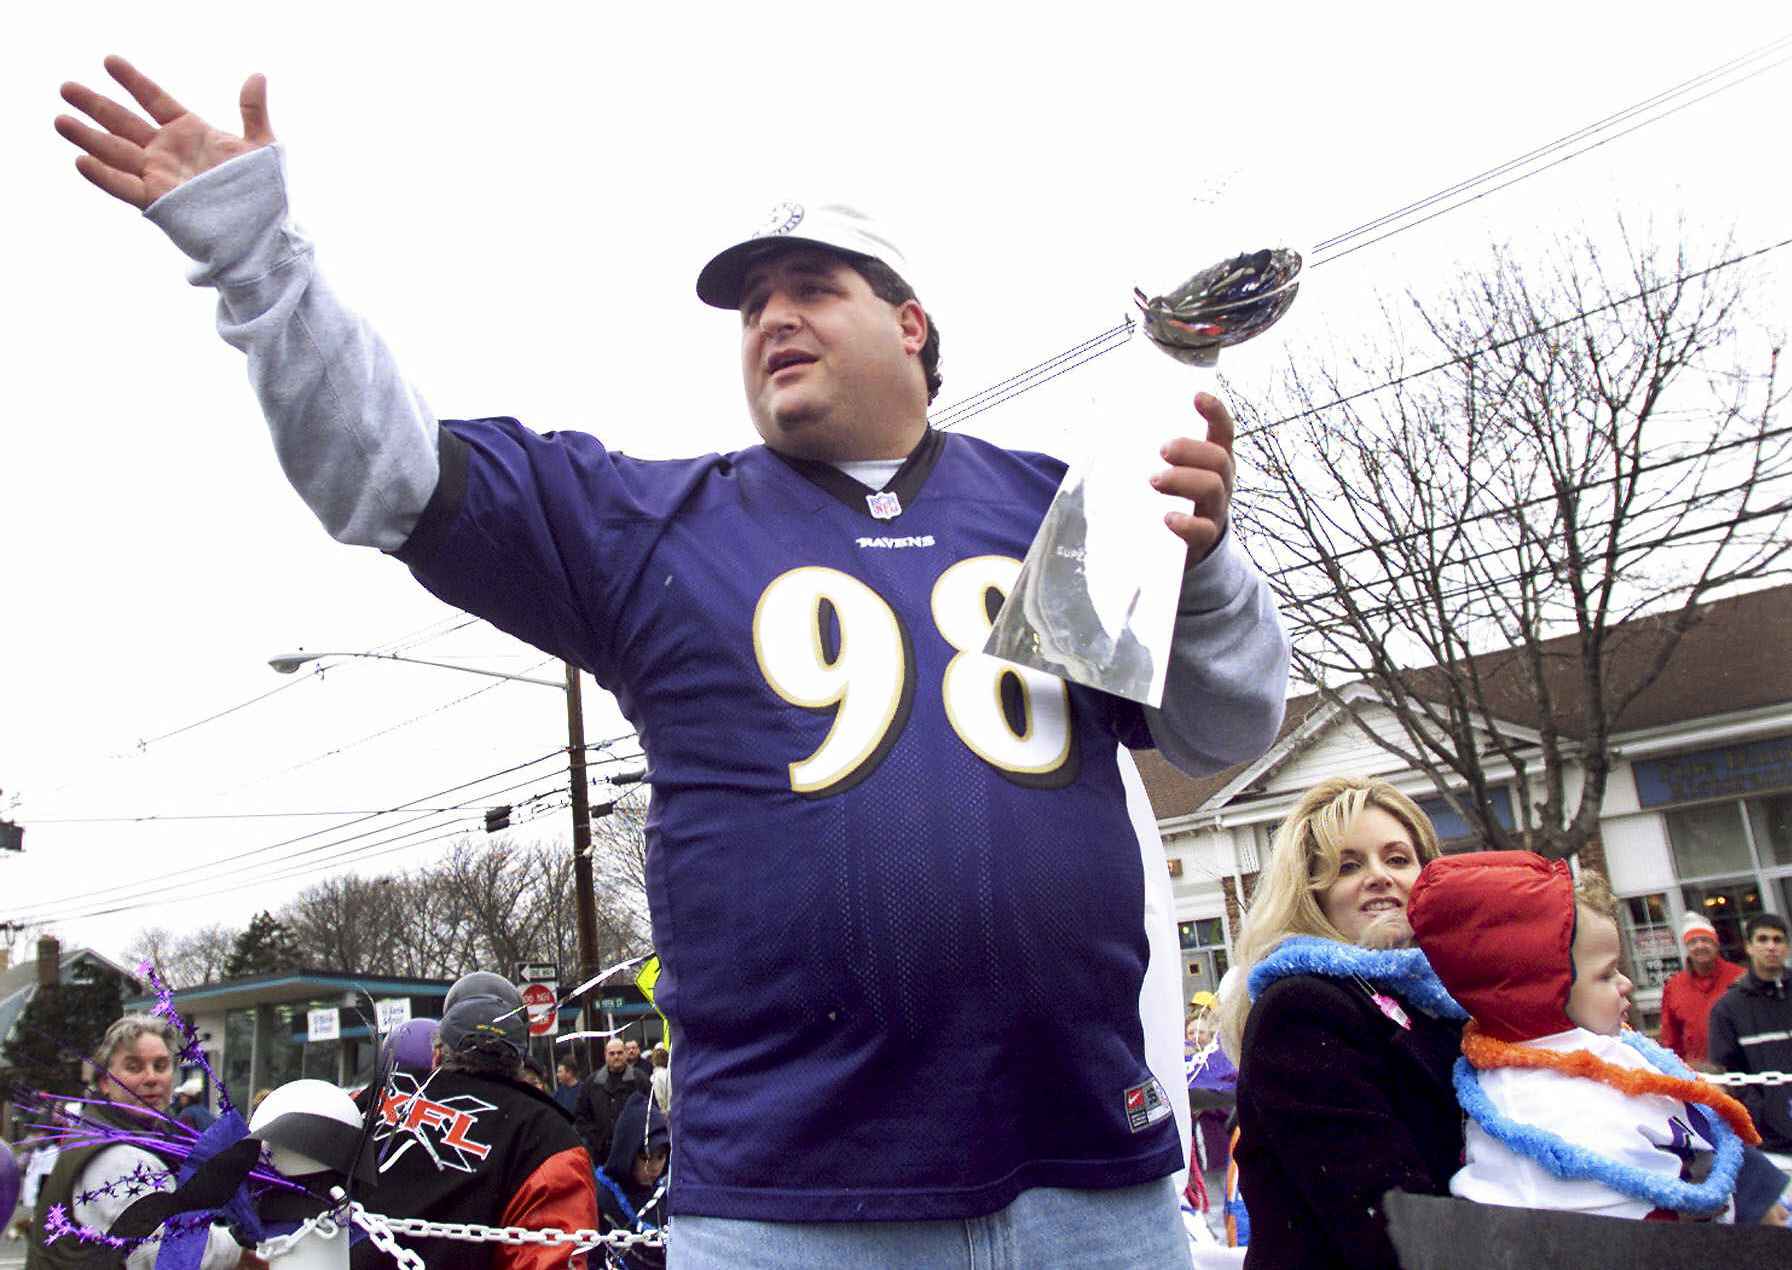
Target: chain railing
(382,1232)
(1748,1078)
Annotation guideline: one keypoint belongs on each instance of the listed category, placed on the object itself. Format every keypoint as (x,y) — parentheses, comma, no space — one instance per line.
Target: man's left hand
(1200,471)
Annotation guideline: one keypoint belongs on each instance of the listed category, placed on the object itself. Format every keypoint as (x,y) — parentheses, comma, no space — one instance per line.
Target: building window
(1734,860)
(1202,932)
(1454,834)
(1708,840)
(1648,930)
(1204,957)
(1770,820)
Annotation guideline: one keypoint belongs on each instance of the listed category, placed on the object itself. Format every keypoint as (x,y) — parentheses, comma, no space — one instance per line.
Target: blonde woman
(1346,1039)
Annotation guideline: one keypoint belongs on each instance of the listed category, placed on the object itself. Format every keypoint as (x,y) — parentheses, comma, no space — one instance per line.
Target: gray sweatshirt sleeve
(355,440)
(1228,674)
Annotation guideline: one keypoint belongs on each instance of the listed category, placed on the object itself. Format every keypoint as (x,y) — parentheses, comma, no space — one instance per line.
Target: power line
(335,751)
(1646,469)
(129,907)
(305,837)
(1579,315)
(295,864)
(1485,585)
(421,636)
(1095,346)
(1322,250)
(1033,377)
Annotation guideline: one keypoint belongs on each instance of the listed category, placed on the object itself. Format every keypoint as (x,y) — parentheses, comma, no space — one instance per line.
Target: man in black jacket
(468,1141)
(1751,1030)
(602,1096)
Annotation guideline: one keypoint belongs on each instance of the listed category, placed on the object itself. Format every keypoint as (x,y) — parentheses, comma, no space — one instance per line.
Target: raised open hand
(138,161)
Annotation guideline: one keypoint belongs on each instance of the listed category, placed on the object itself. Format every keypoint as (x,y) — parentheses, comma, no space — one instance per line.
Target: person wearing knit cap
(1567,1108)
(1687,998)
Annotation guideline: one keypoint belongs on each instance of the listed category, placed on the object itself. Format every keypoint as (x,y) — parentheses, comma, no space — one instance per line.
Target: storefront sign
(392,1013)
(1732,771)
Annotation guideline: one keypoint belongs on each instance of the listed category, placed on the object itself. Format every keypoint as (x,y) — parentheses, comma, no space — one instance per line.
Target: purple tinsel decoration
(57,1226)
(192,1052)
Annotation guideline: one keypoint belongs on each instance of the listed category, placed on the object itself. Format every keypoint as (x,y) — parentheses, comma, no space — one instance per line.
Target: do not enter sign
(538,998)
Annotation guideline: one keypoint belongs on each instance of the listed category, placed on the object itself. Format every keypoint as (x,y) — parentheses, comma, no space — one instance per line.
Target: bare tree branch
(1477,542)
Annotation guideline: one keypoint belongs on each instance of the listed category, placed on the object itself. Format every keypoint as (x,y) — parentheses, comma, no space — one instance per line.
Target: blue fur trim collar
(1402,971)
(1562,1159)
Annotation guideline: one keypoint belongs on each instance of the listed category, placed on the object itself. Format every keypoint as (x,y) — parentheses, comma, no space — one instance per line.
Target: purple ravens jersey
(896,887)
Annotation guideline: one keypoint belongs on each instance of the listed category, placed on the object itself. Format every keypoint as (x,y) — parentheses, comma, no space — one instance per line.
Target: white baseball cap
(833,225)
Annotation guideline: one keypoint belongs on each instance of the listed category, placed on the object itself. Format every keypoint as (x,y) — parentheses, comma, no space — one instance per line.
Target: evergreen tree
(59,1026)
(265,947)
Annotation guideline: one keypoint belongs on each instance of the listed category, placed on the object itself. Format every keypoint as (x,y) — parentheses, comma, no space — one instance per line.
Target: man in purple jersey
(867,837)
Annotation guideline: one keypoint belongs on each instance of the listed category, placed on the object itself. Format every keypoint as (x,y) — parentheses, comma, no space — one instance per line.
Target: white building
(1697,814)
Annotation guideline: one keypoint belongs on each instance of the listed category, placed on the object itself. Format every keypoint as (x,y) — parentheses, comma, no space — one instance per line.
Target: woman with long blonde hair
(1345,1038)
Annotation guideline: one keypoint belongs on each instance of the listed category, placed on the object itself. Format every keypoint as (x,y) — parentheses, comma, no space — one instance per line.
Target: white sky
(521,201)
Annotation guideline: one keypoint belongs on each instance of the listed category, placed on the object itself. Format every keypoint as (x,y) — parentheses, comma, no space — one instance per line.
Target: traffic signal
(497,818)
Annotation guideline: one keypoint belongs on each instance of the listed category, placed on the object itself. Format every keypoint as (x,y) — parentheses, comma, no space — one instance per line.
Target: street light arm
(288,663)
(583,885)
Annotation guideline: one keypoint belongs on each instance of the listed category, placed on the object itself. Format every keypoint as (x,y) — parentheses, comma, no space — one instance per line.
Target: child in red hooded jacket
(1568,1109)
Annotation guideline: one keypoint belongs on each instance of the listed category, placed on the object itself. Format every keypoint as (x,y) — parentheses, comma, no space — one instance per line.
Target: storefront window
(1726,903)
(1770,819)
(1708,840)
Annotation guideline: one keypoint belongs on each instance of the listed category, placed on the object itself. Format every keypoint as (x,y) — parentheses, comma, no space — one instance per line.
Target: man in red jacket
(1686,999)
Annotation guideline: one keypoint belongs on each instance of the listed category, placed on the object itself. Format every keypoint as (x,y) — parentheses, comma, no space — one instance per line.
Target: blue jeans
(1133,1228)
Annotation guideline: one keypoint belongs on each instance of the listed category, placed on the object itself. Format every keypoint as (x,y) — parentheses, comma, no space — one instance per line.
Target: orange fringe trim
(1485,1052)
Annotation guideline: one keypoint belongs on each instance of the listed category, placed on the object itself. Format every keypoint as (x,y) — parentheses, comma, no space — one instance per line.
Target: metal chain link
(1749,1078)
(473,1232)
(324,1225)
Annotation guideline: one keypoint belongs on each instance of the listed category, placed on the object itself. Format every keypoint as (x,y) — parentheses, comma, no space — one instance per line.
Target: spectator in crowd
(632,1184)
(1687,998)
(661,1080)
(534,1074)
(1346,1040)
(189,1105)
(1751,1030)
(602,1096)
(1567,1108)
(637,1061)
(471,1141)
(96,1182)
(1212,1083)
(566,1084)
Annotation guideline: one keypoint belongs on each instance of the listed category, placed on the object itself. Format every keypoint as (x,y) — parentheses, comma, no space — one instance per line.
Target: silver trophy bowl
(1095,601)
(1224,304)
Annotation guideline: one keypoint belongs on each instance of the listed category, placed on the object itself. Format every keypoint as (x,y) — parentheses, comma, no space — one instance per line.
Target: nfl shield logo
(884,505)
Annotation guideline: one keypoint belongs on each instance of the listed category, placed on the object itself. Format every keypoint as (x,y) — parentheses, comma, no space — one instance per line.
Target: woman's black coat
(1337,1104)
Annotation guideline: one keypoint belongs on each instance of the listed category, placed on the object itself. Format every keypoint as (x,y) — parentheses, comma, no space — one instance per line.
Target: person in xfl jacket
(633,1182)
(469,1142)
(1751,1030)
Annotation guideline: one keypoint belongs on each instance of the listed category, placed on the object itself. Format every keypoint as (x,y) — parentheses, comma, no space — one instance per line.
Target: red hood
(1498,927)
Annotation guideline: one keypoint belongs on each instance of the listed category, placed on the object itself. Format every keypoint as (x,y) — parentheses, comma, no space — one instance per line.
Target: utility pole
(582,879)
